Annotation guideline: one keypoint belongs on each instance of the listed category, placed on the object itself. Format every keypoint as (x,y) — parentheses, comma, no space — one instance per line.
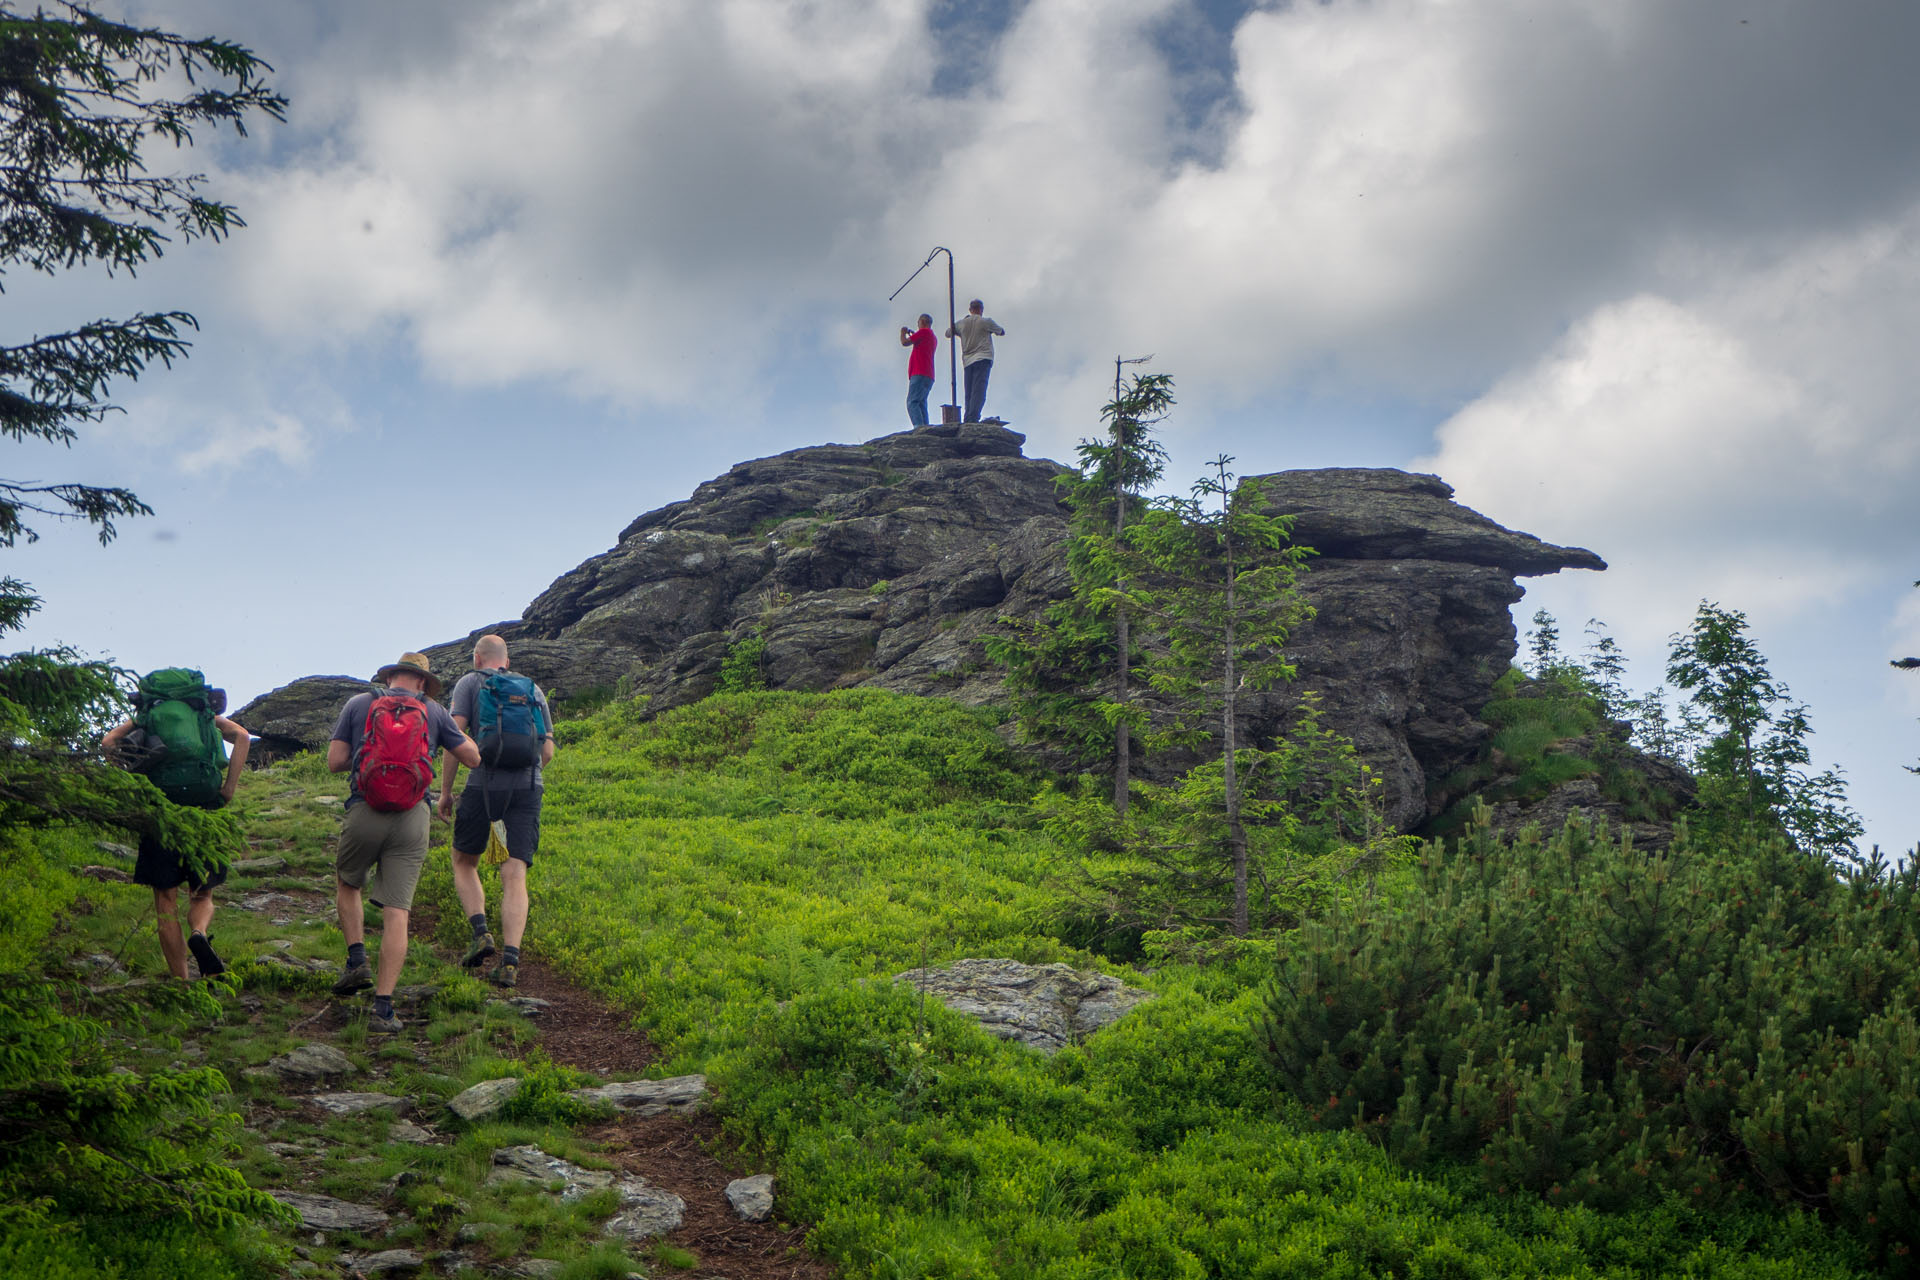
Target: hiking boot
(505,975)
(355,977)
(389,1023)
(481,949)
(211,965)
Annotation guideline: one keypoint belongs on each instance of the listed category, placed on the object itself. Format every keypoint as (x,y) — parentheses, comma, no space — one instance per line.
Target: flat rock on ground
(353,1104)
(1045,1006)
(311,1062)
(484,1099)
(679,1095)
(645,1210)
(324,1213)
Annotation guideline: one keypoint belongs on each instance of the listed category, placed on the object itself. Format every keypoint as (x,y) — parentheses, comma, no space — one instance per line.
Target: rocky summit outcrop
(884,565)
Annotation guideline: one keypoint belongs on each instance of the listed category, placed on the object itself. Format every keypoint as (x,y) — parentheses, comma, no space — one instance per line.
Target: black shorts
(159,867)
(479,808)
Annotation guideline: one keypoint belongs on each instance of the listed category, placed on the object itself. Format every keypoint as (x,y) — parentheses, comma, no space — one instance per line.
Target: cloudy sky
(1632,275)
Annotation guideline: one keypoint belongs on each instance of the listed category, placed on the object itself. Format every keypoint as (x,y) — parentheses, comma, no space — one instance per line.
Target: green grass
(746,874)
(56,916)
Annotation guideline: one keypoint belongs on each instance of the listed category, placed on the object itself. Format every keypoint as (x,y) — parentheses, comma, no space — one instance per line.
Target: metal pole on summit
(953,363)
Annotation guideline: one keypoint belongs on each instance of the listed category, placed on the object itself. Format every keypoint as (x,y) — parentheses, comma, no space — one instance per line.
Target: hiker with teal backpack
(508,717)
(180,740)
(384,740)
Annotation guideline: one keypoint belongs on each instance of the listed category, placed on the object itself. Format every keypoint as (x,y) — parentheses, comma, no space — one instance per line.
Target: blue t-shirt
(351,728)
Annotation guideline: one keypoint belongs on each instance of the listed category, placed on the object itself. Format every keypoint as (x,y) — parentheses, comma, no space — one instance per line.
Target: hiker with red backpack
(383,741)
(508,717)
(175,737)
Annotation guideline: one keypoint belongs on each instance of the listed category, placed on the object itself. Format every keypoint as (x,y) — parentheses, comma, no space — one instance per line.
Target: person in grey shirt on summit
(975,332)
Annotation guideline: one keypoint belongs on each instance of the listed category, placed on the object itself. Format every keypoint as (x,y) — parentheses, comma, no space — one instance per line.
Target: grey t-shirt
(466,696)
(351,728)
(976,337)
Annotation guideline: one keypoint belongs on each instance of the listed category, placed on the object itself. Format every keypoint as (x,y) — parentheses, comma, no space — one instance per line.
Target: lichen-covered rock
(324,1213)
(353,1104)
(311,1062)
(884,565)
(484,1099)
(752,1198)
(1044,1006)
(645,1210)
(297,716)
(680,1095)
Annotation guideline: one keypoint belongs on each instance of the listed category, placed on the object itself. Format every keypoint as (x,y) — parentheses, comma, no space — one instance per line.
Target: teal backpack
(181,748)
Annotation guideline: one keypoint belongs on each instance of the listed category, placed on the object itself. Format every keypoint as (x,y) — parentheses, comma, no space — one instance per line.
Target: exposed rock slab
(645,1210)
(297,716)
(680,1095)
(752,1198)
(388,1262)
(1044,1006)
(484,1099)
(885,565)
(354,1104)
(311,1062)
(324,1213)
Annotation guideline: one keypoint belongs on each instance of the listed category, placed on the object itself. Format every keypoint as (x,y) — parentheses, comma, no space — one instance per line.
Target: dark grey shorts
(480,808)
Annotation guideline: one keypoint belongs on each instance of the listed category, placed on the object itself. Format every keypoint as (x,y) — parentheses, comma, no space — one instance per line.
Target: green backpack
(182,751)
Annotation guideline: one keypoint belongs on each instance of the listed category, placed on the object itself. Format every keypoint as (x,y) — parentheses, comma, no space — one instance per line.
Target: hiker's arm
(906,336)
(450,770)
(239,740)
(466,753)
(997,329)
(339,756)
(113,735)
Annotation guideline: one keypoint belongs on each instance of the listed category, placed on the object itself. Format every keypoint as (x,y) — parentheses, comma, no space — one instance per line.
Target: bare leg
(513,900)
(173,943)
(467,886)
(200,911)
(393,949)
(353,925)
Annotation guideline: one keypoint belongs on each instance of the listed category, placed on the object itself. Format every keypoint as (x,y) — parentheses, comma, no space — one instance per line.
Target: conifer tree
(1219,583)
(81,97)
(1056,669)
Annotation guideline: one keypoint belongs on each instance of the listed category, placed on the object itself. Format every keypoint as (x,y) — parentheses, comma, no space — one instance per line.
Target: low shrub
(1608,1027)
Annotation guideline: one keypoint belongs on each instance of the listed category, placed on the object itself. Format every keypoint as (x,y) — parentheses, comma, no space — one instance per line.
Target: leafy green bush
(87,1146)
(1606,1027)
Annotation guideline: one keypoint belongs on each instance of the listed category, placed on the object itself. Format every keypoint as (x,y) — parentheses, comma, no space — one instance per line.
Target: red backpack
(393,771)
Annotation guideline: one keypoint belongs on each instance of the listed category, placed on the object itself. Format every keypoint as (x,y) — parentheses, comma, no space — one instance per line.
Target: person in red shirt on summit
(919,368)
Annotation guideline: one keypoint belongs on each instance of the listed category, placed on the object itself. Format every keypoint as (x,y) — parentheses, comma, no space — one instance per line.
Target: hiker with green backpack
(180,740)
(508,717)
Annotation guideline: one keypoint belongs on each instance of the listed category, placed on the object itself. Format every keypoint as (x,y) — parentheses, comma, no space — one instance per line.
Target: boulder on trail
(324,1213)
(1044,1006)
(311,1062)
(680,1095)
(752,1198)
(353,1104)
(645,1210)
(484,1099)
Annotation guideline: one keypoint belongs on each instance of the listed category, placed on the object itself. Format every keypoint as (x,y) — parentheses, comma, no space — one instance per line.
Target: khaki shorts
(383,853)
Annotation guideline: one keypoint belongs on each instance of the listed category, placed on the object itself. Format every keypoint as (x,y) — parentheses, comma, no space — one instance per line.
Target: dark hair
(217,701)
(976,305)
(925,318)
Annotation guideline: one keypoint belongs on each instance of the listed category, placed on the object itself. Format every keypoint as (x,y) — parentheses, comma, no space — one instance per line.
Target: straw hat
(417,664)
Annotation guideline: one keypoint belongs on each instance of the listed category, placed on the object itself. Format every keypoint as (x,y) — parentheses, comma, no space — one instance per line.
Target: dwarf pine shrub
(1608,1027)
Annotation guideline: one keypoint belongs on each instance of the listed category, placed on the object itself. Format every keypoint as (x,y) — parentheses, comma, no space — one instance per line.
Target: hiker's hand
(226,794)
(445,807)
